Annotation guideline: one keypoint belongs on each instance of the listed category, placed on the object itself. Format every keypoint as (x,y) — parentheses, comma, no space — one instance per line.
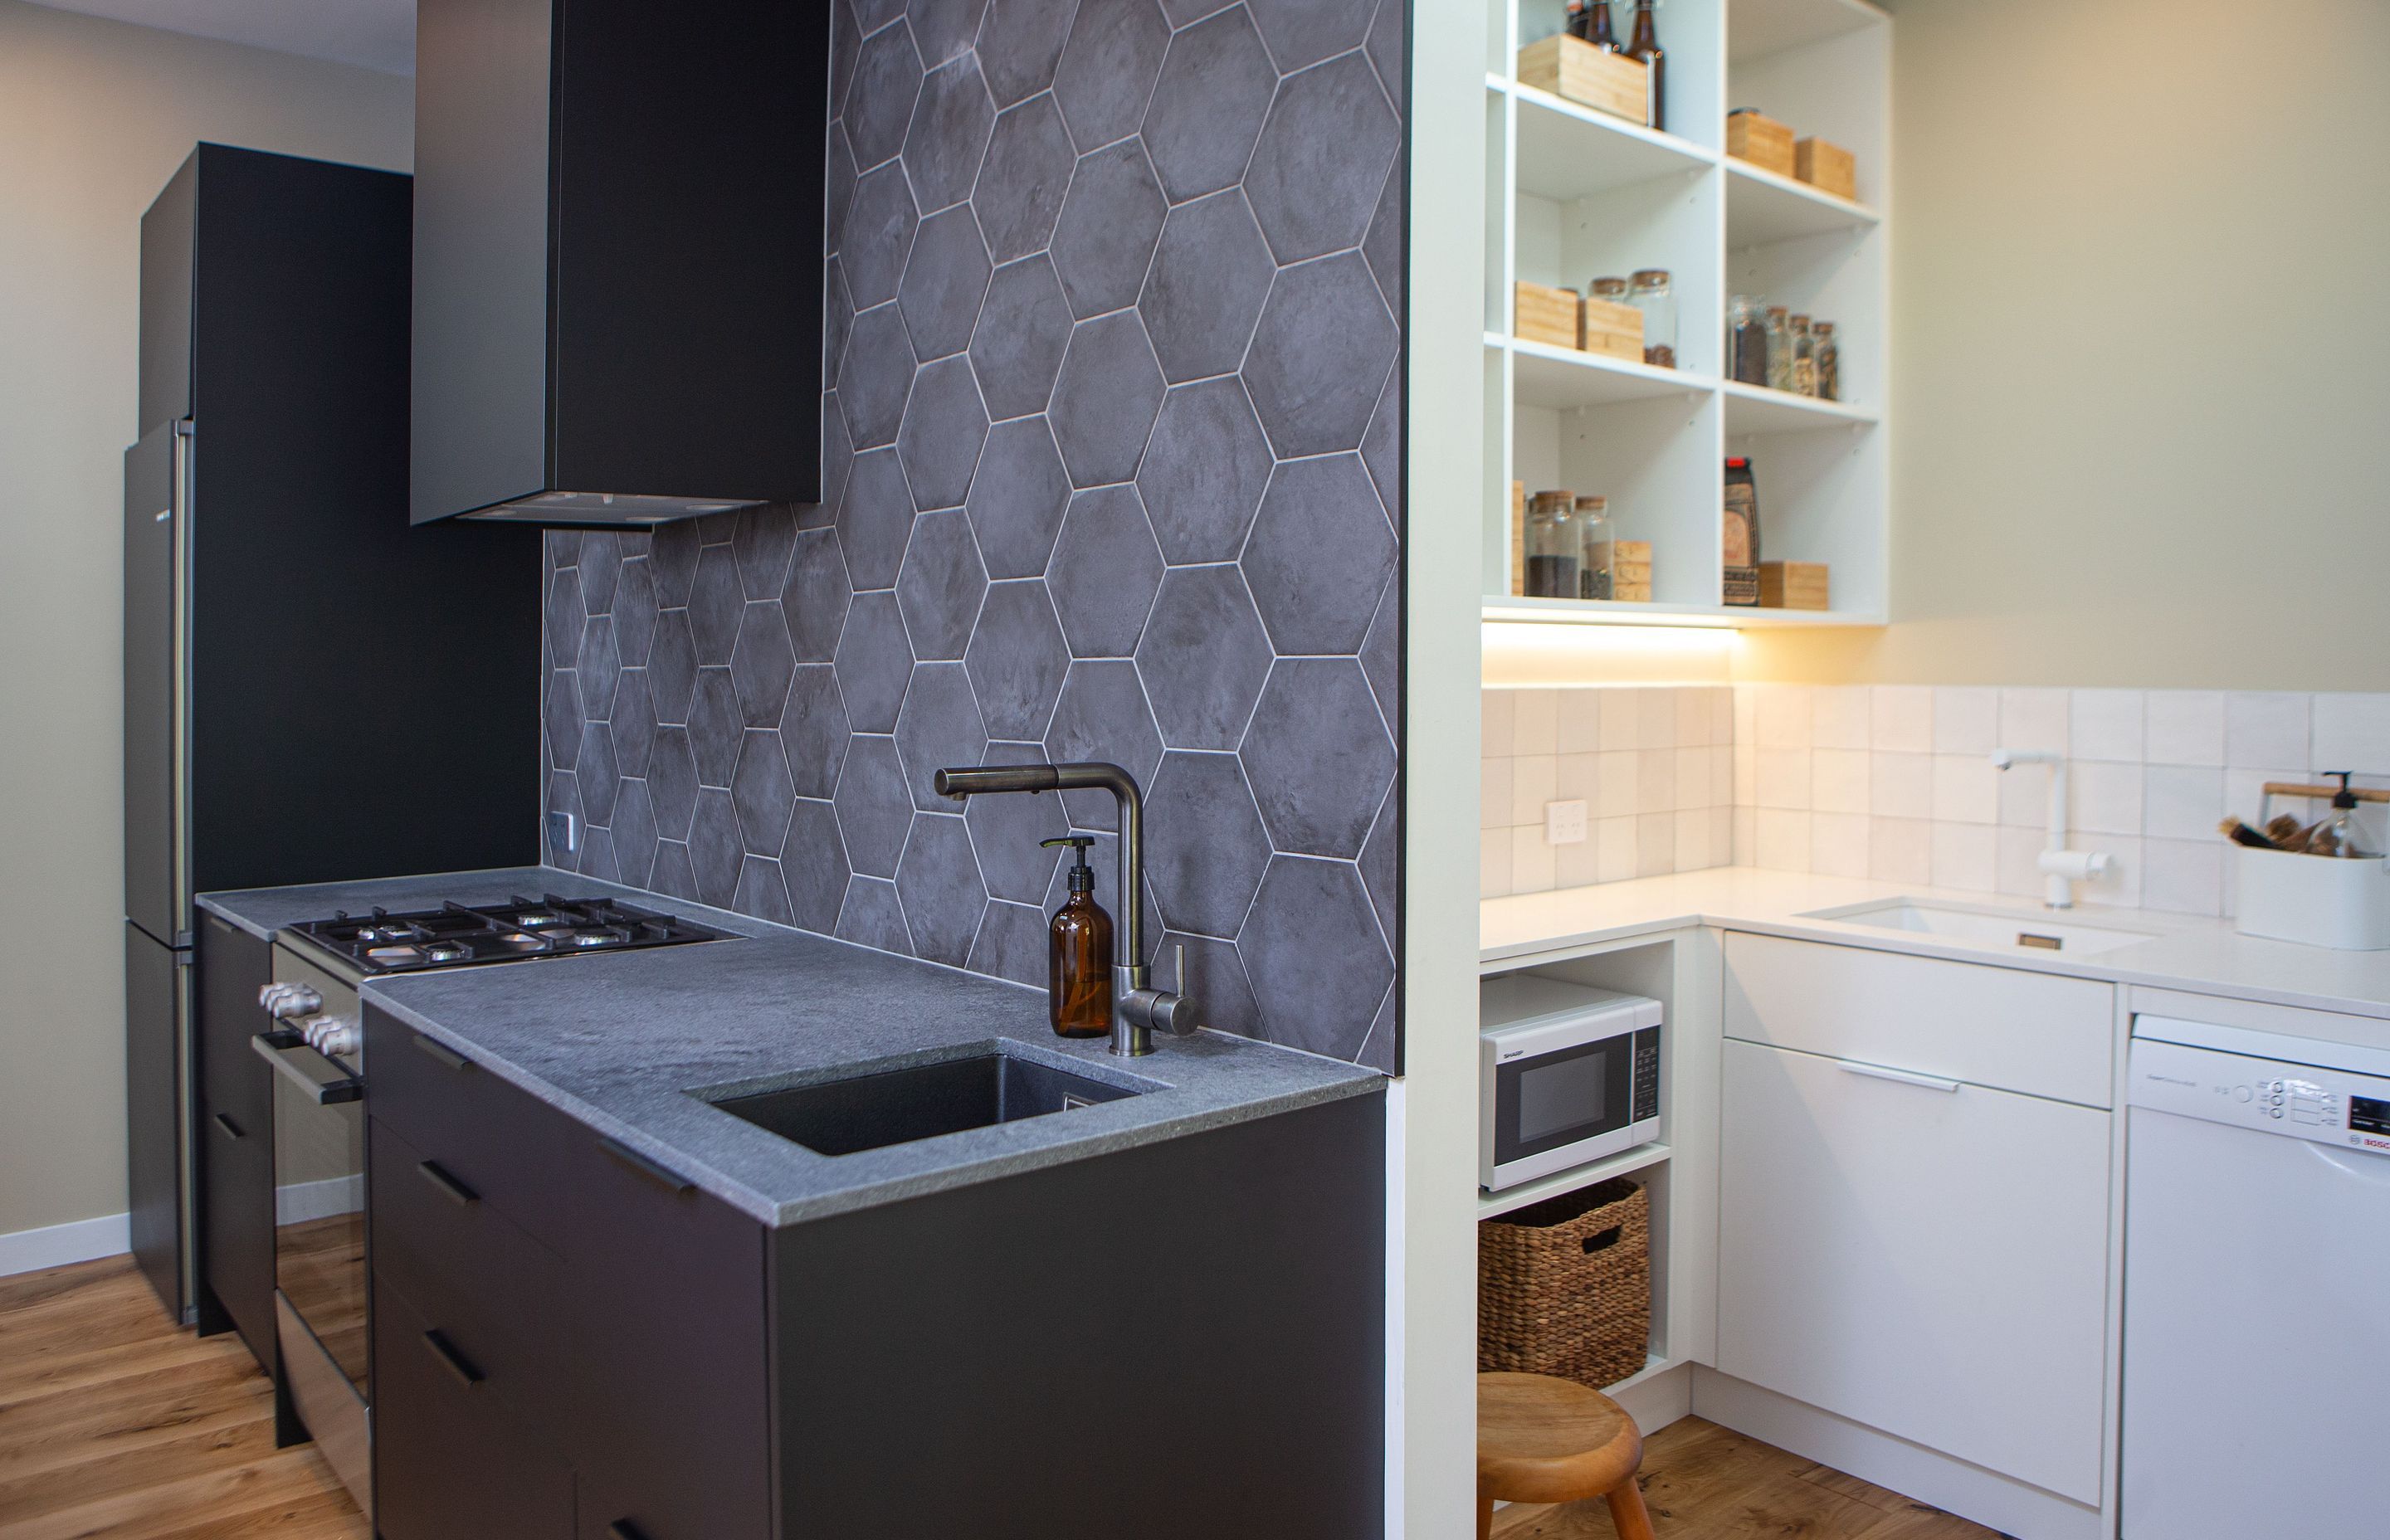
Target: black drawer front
(234,1139)
(237,1224)
(484,1283)
(451,1461)
(669,1350)
(512,1150)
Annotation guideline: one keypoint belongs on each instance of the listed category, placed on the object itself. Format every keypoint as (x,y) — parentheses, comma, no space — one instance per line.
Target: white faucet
(2061,867)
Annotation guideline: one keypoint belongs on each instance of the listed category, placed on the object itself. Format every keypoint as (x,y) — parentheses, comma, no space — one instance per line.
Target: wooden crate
(1541,313)
(1611,329)
(1573,68)
(1518,537)
(1630,570)
(1826,166)
(1760,140)
(1793,585)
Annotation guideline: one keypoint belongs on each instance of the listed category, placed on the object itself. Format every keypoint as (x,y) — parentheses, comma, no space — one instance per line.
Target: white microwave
(1566,1074)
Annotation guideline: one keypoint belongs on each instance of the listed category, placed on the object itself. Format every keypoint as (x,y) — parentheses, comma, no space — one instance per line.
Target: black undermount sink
(871,1111)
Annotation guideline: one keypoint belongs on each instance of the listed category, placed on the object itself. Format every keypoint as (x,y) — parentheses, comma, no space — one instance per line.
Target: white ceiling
(376,35)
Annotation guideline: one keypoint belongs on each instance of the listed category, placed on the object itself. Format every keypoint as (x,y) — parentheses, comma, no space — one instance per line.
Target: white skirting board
(59,1245)
(1969,1491)
(301,1202)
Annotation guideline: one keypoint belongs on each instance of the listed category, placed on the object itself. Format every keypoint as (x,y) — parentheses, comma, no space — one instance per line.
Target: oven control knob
(285,1001)
(331,1034)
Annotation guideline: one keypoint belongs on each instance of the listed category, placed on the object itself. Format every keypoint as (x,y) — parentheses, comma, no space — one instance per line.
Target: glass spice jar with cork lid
(1780,349)
(1746,321)
(1804,358)
(1555,546)
(1829,360)
(1597,546)
(1651,293)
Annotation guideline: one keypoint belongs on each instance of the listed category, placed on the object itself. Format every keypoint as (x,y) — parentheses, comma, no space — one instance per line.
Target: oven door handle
(276,1048)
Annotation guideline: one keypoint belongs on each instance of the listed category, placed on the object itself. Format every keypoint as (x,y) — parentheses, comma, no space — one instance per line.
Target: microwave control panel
(1646,1073)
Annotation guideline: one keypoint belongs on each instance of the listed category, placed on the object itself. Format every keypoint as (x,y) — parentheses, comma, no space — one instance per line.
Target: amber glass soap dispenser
(1080,993)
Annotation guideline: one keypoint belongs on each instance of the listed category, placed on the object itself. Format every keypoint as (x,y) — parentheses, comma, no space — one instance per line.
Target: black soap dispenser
(1080,991)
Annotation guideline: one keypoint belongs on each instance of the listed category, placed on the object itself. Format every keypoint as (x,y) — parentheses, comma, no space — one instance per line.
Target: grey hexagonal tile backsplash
(1112,438)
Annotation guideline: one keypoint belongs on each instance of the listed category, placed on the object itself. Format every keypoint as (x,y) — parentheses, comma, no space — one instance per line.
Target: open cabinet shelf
(1575,193)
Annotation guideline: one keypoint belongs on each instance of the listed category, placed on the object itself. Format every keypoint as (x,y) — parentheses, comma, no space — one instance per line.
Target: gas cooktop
(456,936)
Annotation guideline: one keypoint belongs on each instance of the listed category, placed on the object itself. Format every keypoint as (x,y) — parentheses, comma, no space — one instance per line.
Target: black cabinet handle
(662,1176)
(622,1529)
(447,1186)
(453,1361)
(229,1126)
(442,1053)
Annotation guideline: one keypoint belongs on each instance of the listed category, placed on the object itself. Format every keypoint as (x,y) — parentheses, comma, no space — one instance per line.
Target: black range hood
(618,270)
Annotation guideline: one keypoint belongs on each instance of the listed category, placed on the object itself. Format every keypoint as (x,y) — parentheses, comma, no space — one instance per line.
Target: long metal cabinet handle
(229,1126)
(442,1053)
(662,1175)
(453,1361)
(323,1092)
(1904,1077)
(447,1186)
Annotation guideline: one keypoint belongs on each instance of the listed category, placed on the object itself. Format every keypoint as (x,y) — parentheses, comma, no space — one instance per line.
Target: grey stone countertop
(632,1045)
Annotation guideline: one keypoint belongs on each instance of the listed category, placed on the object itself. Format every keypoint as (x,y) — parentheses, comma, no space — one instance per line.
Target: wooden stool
(1544,1440)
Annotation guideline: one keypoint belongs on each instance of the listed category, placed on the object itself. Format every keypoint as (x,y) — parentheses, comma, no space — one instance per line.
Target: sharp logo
(1514,1053)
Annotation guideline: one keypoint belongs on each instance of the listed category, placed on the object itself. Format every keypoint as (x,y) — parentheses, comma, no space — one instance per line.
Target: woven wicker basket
(1564,1285)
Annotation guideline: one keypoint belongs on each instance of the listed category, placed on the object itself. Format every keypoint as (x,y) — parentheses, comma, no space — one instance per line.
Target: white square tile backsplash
(1653,765)
(1896,782)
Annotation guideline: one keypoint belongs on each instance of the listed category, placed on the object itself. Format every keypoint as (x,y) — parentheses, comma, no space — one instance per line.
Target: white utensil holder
(2341,903)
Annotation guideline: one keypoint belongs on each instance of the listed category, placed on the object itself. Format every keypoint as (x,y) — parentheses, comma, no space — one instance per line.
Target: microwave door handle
(272,1048)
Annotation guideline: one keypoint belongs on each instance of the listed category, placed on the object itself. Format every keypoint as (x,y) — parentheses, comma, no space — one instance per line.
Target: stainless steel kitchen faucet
(1137,1008)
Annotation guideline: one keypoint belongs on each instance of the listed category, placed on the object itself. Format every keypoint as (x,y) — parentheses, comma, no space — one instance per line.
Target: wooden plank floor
(114,1423)
(1704,1483)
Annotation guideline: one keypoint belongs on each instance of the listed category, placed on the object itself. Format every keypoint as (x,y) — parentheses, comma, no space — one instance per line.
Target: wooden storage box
(1573,68)
(1542,314)
(1826,167)
(1611,329)
(1760,140)
(1630,570)
(1793,585)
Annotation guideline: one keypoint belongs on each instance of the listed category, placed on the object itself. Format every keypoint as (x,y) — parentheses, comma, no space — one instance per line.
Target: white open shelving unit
(1679,1170)
(1575,194)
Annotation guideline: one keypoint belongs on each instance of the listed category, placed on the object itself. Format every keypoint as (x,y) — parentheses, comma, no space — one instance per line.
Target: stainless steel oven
(318,1054)
(1567,1074)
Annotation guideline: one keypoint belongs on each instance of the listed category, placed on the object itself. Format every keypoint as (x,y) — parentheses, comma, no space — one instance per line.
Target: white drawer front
(2003,1027)
(1928,1260)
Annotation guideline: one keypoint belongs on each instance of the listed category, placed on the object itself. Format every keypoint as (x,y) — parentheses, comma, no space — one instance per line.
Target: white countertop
(2203,957)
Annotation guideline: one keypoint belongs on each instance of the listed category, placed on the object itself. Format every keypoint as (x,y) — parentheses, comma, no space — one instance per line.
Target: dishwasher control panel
(2326,1106)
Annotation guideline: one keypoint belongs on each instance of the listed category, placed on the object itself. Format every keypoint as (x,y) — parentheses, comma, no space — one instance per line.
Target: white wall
(94,117)
(1432,1295)
(2139,342)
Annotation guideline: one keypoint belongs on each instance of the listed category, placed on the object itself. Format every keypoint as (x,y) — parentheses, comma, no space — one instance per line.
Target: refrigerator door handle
(179,508)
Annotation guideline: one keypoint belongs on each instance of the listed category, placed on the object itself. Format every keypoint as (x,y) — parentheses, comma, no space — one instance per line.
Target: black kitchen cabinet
(666,1301)
(234,1139)
(617,257)
(455,1464)
(613,1316)
(1180,1341)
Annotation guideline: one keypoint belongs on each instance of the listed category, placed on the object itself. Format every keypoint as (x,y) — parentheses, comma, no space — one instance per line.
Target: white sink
(2002,930)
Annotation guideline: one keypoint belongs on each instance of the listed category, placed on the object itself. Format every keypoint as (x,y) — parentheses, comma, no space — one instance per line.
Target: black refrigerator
(314,690)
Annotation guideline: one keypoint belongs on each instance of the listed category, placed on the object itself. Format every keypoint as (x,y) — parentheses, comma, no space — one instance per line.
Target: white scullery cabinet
(1574,194)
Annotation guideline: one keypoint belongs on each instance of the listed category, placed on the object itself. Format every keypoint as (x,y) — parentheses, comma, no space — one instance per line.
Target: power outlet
(1565,823)
(564,833)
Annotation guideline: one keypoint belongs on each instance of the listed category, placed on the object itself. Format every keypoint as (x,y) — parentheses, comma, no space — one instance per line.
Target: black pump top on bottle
(1083,877)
